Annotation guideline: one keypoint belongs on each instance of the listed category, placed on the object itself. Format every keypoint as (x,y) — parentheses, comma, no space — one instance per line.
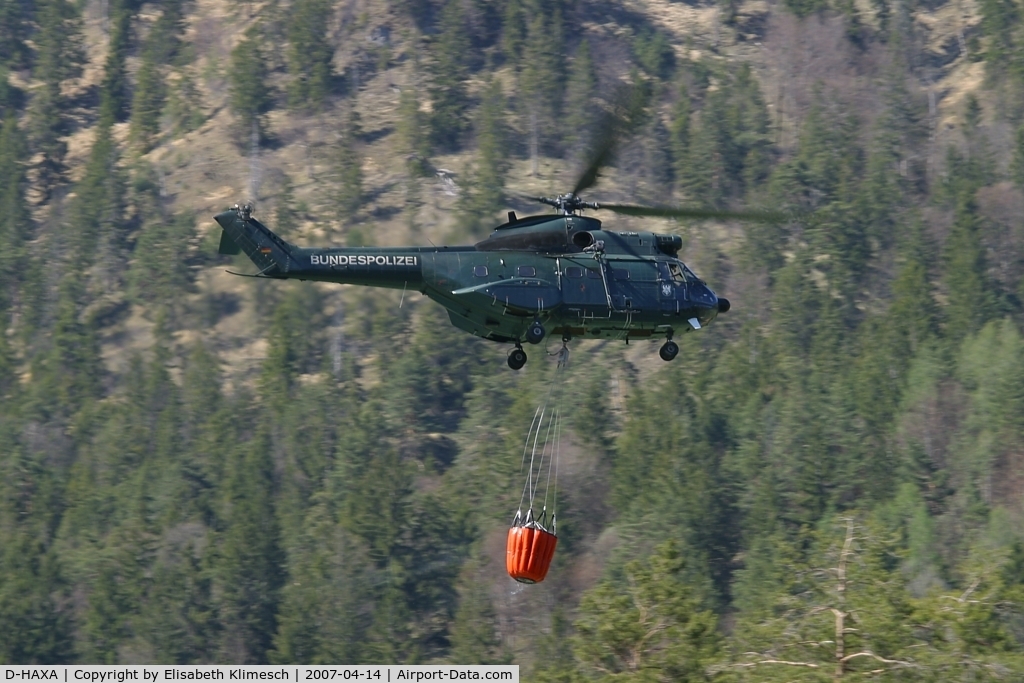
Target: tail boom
(397,268)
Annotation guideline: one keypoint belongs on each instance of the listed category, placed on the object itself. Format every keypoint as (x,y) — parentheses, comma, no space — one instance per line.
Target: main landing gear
(668,350)
(535,332)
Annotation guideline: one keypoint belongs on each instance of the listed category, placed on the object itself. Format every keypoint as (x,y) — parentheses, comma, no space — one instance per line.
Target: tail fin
(242,232)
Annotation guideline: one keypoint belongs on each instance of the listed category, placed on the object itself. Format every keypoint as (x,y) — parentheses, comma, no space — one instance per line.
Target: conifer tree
(114,97)
(286,214)
(492,144)
(148,100)
(473,636)
(413,134)
(59,57)
(162,49)
(15,219)
(448,97)
(579,96)
(37,629)
(66,377)
(309,54)
(250,564)
(349,164)
(913,312)
(999,18)
(652,626)
(328,561)
(414,140)
(250,97)
(487,181)
(1017,160)
(679,129)
(98,211)
(184,104)
(15,26)
(541,79)
(159,276)
(971,298)
(513,28)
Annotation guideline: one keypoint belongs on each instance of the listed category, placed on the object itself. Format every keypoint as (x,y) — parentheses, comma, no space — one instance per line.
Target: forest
(826,484)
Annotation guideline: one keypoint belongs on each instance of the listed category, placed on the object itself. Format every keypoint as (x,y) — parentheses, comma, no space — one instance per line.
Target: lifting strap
(547,419)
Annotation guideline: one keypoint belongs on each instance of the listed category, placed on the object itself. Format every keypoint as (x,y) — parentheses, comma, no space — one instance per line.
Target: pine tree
(328,561)
(474,638)
(15,219)
(148,100)
(37,629)
(971,298)
(579,96)
(448,97)
(184,104)
(286,215)
(998,21)
(679,129)
(414,138)
(67,376)
(250,96)
(309,54)
(159,276)
(349,164)
(913,312)
(59,57)
(492,144)
(487,177)
(98,222)
(1017,160)
(114,97)
(250,567)
(653,54)
(513,28)
(162,49)
(15,26)
(541,78)
(649,627)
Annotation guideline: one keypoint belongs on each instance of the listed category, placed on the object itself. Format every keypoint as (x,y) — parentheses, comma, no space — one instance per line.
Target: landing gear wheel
(517,359)
(668,350)
(535,332)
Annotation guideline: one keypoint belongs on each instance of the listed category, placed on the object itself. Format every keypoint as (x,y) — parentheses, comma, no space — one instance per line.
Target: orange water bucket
(528,553)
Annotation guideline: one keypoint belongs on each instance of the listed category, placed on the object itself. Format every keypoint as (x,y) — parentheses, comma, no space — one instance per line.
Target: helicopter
(554,274)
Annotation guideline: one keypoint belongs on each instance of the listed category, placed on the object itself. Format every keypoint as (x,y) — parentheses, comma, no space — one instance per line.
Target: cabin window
(620,274)
(480,271)
(574,271)
(594,274)
(527,271)
(677,273)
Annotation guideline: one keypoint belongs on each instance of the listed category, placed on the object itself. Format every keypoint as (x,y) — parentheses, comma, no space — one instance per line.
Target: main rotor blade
(697,212)
(624,115)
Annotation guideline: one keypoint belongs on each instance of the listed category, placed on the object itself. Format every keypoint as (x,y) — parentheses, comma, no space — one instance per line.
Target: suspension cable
(550,448)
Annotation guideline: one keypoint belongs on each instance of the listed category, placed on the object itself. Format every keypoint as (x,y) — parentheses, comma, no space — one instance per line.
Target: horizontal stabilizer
(227,245)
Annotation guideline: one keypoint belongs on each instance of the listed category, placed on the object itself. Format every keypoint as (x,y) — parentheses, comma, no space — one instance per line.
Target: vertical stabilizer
(242,232)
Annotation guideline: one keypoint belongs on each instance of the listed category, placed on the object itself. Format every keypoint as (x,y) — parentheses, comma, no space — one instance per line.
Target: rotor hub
(568,204)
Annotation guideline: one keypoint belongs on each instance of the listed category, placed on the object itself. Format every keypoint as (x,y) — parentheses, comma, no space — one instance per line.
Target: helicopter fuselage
(564,272)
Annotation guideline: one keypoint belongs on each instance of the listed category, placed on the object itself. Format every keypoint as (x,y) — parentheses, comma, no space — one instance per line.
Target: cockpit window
(677,271)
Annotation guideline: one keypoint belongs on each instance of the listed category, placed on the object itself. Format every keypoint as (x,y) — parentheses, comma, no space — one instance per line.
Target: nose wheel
(669,350)
(517,358)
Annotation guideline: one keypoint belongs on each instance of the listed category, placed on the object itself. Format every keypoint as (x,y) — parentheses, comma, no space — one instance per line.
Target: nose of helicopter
(707,303)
